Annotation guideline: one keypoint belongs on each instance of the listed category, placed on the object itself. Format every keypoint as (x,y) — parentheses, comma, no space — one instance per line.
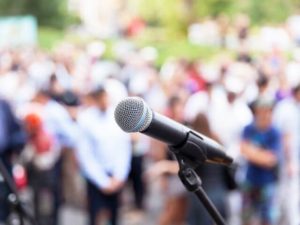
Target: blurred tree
(176,14)
(50,13)
(8,7)
(271,11)
(169,13)
(213,8)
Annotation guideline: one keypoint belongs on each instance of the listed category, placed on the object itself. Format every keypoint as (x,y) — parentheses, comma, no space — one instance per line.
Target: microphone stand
(193,183)
(14,198)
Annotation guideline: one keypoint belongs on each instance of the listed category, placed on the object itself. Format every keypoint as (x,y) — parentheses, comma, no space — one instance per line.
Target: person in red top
(195,81)
(40,154)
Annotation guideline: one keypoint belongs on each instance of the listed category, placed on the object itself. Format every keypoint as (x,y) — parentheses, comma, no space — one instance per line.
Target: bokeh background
(223,67)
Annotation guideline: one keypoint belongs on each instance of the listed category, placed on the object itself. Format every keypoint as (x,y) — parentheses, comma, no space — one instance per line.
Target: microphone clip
(192,182)
(198,150)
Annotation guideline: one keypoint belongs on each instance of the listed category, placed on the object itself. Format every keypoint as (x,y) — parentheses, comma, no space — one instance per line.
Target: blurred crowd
(59,140)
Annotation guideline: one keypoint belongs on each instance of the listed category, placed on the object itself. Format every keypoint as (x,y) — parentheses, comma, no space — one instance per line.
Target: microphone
(132,114)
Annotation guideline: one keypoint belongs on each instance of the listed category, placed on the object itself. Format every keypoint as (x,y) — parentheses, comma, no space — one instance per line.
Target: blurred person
(140,145)
(229,131)
(141,78)
(10,76)
(174,78)
(237,115)
(102,70)
(56,117)
(293,28)
(155,95)
(218,102)
(40,69)
(273,62)
(40,156)
(283,91)
(55,88)
(59,124)
(64,59)
(242,27)
(287,119)
(211,101)
(224,26)
(72,185)
(262,87)
(135,26)
(261,148)
(242,77)
(195,82)
(104,159)
(244,56)
(12,140)
(174,209)
(263,83)
(214,181)
(115,89)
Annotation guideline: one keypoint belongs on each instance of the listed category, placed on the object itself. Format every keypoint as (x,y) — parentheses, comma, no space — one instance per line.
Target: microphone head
(132,114)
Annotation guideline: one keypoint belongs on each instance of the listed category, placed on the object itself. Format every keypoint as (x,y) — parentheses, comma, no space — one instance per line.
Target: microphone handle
(166,130)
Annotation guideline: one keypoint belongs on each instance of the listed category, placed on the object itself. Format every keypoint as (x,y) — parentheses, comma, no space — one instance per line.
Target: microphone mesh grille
(133,115)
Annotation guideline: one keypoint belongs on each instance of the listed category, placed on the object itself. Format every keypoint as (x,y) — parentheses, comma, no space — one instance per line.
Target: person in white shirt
(57,119)
(104,158)
(287,119)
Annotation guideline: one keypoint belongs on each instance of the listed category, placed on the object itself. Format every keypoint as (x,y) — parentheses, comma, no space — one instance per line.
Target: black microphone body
(186,141)
(166,130)
(133,115)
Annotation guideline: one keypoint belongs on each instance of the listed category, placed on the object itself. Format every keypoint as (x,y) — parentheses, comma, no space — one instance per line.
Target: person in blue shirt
(261,148)
(104,157)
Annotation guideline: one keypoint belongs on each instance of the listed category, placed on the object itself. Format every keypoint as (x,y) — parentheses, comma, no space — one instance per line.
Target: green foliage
(176,14)
(183,49)
(8,7)
(167,13)
(213,8)
(50,13)
(49,37)
(167,48)
(168,20)
(274,11)
(178,48)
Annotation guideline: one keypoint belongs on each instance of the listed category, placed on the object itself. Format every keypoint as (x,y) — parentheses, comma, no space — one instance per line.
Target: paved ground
(73,216)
